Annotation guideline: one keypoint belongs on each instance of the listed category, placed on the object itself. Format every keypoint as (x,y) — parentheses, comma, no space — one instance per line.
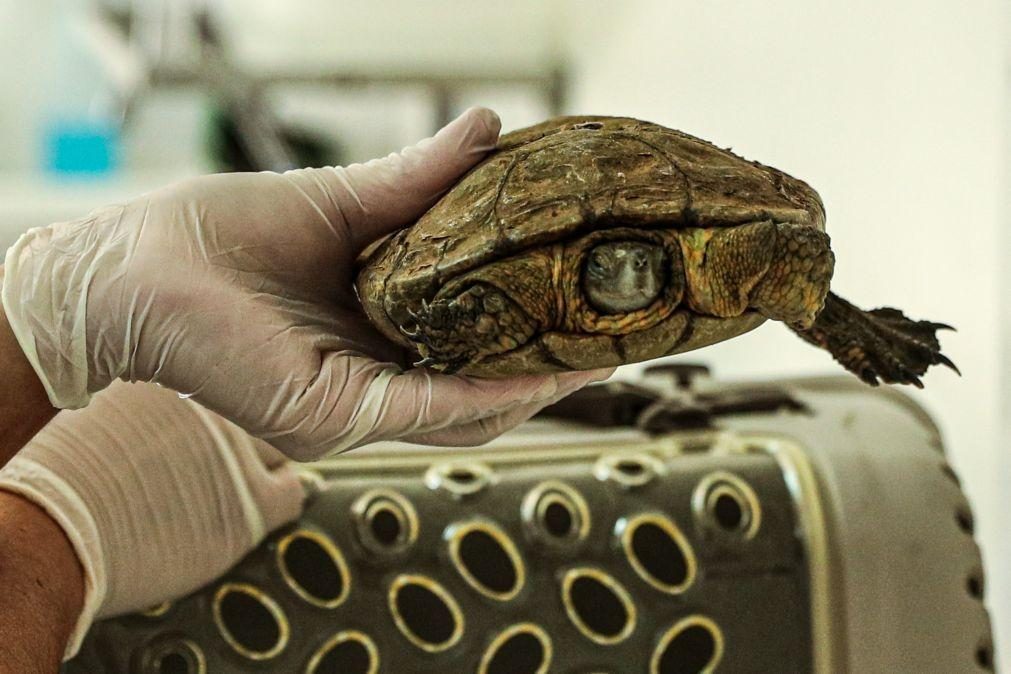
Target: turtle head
(780,270)
(624,276)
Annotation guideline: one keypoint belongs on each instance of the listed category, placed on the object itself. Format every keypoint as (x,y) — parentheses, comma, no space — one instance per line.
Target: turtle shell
(565,178)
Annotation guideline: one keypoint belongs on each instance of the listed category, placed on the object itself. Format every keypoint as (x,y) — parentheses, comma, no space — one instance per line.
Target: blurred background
(897,113)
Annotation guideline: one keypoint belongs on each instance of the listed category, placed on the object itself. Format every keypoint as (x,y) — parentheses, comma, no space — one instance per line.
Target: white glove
(237,290)
(157,495)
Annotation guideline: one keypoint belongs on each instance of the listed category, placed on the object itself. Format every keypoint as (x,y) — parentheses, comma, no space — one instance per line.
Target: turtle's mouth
(624,276)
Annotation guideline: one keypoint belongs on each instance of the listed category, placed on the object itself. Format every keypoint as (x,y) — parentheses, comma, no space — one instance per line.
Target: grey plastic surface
(864,561)
(907,575)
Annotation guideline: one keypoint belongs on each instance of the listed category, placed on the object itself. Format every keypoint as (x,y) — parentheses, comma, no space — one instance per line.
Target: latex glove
(238,290)
(157,495)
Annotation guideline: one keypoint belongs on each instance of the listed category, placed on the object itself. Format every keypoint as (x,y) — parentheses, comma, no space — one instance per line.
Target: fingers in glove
(357,401)
(484,430)
(259,472)
(386,194)
(157,494)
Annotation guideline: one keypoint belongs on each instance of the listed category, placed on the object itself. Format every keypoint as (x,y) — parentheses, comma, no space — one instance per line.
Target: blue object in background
(81,133)
(82,148)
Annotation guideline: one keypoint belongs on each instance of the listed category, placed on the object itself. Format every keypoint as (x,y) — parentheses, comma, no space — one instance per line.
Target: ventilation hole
(385,526)
(726,506)
(458,480)
(349,652)
(690,651)
(250,621)
(386,523)
(462,475)
(631,468)
(314,568)
(728,512)
(172,655)
(964,519)
(174,663)
(658,552)
(487,559)
(425,613)
(558,519)
(693,646)
(350,657)
(521,649)
(600,608)
(974,585)
(626,471)
(346,658)
(555,515)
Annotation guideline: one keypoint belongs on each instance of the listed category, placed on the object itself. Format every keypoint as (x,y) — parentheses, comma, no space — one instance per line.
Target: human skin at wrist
(41,588)
(41,580)
(24,405)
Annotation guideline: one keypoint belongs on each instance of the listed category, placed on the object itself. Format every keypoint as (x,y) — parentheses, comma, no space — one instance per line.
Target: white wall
(392,35)
(26,62)
(894,112)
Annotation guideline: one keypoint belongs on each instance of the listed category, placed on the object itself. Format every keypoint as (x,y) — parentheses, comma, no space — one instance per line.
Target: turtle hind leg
(881,344)
(453,332)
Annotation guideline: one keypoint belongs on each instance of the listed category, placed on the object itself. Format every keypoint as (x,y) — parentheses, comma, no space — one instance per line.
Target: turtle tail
(880,344)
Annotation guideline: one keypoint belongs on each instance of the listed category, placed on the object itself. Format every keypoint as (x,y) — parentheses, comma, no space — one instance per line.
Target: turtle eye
(597,263)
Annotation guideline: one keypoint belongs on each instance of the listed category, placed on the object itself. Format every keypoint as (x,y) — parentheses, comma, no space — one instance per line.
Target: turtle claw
(881,344)
(943,360)
(427,361)
(413,335)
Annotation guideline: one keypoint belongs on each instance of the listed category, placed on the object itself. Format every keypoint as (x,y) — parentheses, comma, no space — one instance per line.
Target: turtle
(589,241)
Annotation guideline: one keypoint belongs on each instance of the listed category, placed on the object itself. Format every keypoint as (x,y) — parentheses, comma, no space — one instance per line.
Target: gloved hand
(237,290)
(157,495)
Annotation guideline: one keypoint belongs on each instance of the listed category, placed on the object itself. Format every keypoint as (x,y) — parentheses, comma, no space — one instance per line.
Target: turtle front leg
(453,332)
(877,344)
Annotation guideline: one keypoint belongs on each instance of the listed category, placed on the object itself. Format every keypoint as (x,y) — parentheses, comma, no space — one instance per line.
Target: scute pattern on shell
(569,176)
(553,184)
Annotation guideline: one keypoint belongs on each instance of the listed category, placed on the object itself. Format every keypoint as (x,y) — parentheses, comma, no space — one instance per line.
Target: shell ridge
(496,218)
(561,302)
(398,241)
(618,346)
(777,181)
(688,212)
(685,335)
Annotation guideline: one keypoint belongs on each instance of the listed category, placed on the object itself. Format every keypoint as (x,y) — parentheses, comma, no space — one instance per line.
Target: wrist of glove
(157,495)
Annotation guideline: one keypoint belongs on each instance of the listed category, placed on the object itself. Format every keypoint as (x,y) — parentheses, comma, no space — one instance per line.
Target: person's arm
(41,584)
(24,405)
(41,588)
(156,496)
